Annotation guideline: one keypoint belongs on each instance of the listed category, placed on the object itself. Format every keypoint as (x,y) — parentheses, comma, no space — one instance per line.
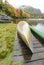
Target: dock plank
(22,53)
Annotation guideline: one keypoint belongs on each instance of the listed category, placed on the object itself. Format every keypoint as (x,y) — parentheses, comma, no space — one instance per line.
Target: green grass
(7,60)
(7,38)
(18,63)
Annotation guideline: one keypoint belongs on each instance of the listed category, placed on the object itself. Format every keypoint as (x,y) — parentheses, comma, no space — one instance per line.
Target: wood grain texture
(22,52)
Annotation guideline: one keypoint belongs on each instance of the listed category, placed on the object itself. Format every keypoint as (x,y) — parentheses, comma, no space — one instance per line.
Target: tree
(1,6)
(21,13)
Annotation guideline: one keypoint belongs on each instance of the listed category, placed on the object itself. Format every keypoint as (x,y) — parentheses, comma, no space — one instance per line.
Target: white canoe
(25,33)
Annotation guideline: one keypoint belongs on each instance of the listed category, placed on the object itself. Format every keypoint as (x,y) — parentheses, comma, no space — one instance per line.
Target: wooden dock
(22,53)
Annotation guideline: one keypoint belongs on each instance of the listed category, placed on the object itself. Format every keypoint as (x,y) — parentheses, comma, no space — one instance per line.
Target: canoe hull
(25,34)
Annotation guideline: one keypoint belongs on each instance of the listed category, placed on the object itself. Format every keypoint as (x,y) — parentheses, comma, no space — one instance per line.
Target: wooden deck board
(22,52)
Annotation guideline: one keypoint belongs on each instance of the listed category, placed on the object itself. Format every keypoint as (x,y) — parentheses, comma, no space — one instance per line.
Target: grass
(7,60)
(18,63)
(7,37)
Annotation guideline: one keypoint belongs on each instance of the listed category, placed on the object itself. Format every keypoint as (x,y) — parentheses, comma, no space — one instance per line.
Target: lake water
(37,23)
(40,27)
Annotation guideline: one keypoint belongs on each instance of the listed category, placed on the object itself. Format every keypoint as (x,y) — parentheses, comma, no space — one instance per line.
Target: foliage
(9,10)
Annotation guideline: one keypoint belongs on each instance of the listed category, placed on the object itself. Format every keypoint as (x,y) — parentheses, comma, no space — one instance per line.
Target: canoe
(25,34)
(37,32)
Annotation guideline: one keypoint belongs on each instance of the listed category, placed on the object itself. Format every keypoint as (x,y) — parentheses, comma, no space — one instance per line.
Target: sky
(39,4)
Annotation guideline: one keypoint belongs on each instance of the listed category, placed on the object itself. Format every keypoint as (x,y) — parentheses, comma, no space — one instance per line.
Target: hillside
(34,13)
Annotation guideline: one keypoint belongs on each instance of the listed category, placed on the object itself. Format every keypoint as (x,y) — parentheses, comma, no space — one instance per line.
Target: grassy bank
(7,38)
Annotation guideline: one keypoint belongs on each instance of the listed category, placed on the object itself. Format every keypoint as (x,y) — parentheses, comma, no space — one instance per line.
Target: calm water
(40,27)
(37,23)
